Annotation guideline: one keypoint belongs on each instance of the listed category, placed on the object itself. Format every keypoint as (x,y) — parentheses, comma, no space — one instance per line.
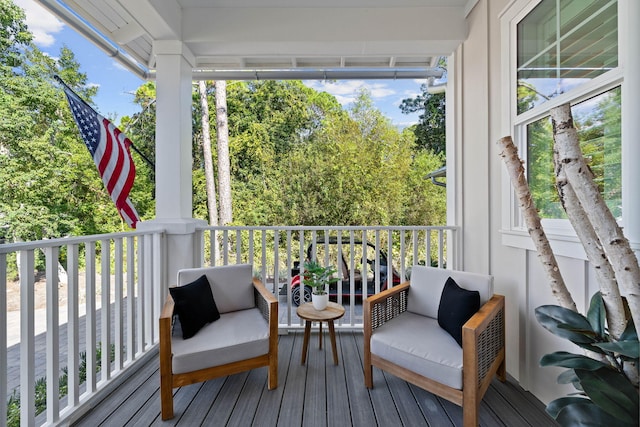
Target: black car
(365,265)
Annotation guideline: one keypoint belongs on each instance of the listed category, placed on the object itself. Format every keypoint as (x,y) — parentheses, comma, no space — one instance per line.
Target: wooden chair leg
(501,373)
(166,398)
(470,415)
(368,376)
(273,373)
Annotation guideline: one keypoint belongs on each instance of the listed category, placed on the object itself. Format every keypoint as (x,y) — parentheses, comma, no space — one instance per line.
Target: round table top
(332,312)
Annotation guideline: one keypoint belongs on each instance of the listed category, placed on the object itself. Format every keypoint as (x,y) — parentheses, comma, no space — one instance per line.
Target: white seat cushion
(235,336)
(419,344)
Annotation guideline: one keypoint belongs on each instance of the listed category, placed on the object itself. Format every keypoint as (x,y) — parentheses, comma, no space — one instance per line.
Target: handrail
(104,322)
(134,290)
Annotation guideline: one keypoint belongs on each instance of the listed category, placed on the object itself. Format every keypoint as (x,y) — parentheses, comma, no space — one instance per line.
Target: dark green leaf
(569,377)
(554,407)
(573,361)
(612,392)
(588,415)
(565,323)
(597,314)
(630,349)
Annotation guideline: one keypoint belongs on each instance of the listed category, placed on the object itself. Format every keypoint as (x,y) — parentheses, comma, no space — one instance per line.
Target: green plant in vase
(319,278)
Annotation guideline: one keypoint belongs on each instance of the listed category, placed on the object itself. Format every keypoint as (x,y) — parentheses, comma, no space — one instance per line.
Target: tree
(359,170)
(208,158)
(41,179)
(430,132)
(224,169)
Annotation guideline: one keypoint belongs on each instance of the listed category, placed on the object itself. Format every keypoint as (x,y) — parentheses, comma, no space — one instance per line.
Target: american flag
(109,148)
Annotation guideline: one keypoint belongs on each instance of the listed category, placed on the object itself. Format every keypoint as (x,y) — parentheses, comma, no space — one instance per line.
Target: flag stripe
(109,148)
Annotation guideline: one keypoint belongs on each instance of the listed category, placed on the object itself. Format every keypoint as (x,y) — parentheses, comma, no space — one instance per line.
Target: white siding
(480,192)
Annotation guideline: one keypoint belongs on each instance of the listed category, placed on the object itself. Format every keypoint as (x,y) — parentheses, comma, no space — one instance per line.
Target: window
(598,123)
(566,51)
(563,44)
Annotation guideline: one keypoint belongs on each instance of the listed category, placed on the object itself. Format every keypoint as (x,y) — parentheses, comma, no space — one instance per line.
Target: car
(364,265)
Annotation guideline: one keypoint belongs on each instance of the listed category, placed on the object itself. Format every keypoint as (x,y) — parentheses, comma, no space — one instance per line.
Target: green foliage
(296,156)
(608,397)
(318,277)
(430,130)
(360,170)
(49,184)
(13,403)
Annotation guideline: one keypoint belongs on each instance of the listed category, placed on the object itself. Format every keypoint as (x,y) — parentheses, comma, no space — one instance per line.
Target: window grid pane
(599,130)
(563,44)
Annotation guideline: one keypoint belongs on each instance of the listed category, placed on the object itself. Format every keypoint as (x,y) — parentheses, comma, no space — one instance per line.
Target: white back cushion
(427,284)
(231,285)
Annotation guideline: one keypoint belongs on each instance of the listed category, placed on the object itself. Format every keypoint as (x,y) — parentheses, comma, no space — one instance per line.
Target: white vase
(319,301)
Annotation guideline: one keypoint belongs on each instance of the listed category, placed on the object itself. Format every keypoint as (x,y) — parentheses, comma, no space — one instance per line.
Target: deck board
(362,412)
(316,394)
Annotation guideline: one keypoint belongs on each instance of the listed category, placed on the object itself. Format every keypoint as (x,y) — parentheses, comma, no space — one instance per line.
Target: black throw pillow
(457,305)
(194,306)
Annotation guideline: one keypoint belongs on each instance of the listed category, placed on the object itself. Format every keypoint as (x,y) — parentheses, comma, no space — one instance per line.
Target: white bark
(616,319)
(212,204)
(509,154)
(224,167)
(615,245)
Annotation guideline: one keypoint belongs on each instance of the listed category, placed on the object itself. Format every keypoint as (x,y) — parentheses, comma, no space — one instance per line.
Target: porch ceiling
(248,39)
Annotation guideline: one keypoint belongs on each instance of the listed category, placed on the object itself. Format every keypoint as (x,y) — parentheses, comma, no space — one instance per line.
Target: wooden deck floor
(316,394)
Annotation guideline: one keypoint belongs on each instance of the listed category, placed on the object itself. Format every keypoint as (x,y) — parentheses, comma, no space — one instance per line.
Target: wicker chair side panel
(387,309)
(262,304)
(490,342)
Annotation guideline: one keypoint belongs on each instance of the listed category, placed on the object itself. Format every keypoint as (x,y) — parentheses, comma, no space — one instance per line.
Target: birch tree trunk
(509,154)
(615,245)
(224,167)
(210,181)
(208,158)
(616,319)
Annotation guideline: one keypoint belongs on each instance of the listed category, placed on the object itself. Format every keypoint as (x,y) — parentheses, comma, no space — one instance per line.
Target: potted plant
(605,378)
(318,277)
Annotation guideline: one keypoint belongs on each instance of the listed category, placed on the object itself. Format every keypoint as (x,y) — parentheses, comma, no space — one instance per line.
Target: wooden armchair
(244,337)
(402,336)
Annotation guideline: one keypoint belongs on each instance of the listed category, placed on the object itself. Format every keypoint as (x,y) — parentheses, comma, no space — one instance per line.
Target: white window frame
(559,231)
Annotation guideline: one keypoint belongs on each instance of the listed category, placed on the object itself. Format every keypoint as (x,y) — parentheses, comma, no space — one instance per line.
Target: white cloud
(119,66)
(345,91)
(41,22)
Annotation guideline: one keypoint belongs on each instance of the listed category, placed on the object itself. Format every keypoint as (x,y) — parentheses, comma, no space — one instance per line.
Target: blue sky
(116,85)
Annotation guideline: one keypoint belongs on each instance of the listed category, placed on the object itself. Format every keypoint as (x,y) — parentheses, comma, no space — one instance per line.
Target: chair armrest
(165,324)
(483,342)
(384,306)
(265,301)
(268,305)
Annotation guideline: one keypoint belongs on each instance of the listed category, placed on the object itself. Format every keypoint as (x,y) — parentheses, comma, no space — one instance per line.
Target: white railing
(276,254)
(98,315)
(102,322)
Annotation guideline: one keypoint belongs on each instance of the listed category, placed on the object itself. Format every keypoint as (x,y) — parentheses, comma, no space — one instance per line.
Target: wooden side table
(309,314)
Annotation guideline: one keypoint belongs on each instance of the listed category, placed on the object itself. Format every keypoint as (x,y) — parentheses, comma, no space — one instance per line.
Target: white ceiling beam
(328,25)
(161,19)
(127,33)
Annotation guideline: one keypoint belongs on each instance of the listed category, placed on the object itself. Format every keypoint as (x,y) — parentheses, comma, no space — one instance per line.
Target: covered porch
(178,41)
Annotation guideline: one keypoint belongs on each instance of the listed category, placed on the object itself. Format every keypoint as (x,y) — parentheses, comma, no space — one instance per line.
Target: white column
(174,159)
(173,130)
